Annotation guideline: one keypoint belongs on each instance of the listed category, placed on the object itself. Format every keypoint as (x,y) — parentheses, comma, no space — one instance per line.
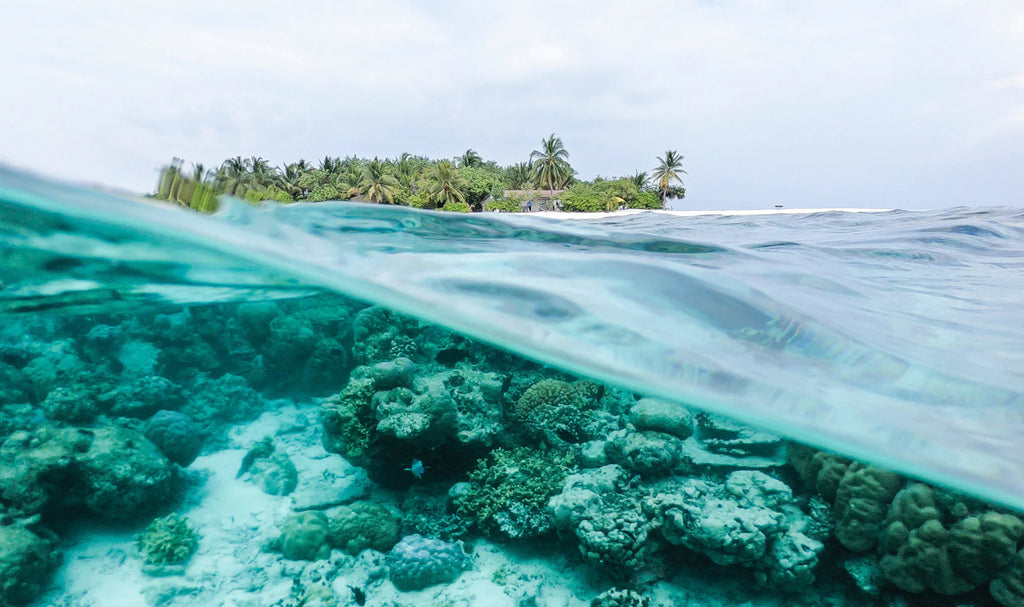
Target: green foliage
(456,207)
(507,205)
(481,181)
(320,193)
(601,195)
(645,200)
(167,541)
(522,479)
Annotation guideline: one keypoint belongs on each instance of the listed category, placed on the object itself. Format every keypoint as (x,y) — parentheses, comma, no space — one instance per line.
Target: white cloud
(806,103)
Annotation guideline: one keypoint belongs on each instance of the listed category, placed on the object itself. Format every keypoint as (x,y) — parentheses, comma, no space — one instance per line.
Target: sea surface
(894,337)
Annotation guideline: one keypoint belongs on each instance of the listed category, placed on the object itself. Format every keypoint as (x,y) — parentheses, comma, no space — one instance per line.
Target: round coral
(364,525)
(304,536)
(417,562)
(176,436)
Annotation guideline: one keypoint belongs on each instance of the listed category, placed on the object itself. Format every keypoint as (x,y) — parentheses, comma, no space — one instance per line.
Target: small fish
(358,595)
(417,468)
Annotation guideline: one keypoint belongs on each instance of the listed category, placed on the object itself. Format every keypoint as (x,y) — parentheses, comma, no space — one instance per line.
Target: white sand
(627,212)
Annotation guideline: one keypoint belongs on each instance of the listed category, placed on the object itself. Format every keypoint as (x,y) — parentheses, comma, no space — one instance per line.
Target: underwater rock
(124,475)
(169,540)
(270,470)
(27,560)
(227,398)
(14,387)
(144,396)
(750,519)
(112,472)
(921,551)
(592,454)
(722,435)
(305,536)
(397,373)
(419,420)
(417,562)
(662,416)
(364,525)
(647,453)
(866,574)
(274,475)
(381,335)
(327,482)
(620,597)
(72,405)
(176,436)
(254,318)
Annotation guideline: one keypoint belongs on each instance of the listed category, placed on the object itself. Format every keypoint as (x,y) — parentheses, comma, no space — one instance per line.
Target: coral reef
(417,562)
(112,472)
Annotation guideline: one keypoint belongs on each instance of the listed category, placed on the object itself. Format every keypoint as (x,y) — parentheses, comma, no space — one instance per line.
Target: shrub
(456,207)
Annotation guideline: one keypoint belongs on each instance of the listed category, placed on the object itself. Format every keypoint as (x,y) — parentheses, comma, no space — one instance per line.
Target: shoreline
(696,213)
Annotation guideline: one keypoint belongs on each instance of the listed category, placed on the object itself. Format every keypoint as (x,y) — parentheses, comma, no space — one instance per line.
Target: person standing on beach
(529,206)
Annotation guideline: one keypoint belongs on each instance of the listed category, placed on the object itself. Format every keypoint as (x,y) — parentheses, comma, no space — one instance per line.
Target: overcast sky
(887,103)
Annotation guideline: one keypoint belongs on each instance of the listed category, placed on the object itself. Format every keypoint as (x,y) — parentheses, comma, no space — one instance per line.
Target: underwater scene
(351,404)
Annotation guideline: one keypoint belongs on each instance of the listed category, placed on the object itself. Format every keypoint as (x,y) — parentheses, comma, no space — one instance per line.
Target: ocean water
(893,338)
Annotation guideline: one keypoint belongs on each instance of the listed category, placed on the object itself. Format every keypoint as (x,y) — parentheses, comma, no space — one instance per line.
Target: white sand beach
(696,213)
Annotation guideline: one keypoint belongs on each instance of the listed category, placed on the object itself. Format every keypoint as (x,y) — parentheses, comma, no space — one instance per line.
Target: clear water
(895,337)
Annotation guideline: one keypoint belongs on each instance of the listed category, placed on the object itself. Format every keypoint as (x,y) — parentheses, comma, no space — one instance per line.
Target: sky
(876,103)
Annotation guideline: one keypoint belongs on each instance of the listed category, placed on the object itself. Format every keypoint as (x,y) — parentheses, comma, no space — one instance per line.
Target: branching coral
(167,541)
(509,491)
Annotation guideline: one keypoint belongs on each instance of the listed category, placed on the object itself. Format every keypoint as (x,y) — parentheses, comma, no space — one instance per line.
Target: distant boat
(778,206)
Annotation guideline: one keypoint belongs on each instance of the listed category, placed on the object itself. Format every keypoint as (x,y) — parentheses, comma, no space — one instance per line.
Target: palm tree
(639,179)
(330,165)
(666,172)
(350,180)
(378,184)
(444,184)
(234,177)
(470,159)
(550,164)
(518,176)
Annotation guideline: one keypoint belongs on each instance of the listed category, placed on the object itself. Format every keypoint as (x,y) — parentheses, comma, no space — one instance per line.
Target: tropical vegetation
(464,183)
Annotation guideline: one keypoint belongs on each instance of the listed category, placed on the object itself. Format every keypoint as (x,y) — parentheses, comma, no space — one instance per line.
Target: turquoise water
(294,387)
(893,337)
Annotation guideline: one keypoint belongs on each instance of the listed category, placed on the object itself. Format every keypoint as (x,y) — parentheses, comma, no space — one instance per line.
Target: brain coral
(176,436)
(922,552)
(417,562)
